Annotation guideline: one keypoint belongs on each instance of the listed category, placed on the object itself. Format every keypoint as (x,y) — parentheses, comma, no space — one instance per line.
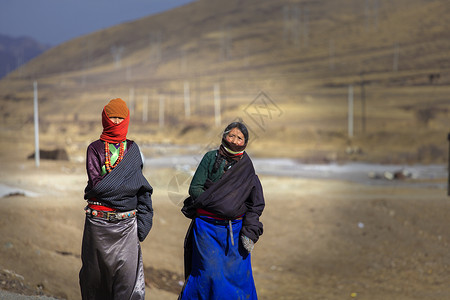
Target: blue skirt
(220,269)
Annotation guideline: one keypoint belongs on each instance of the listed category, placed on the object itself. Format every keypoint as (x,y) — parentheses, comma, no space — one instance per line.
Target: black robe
(238,192)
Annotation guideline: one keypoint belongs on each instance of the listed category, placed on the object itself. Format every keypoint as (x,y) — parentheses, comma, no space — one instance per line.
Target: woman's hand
(247,243)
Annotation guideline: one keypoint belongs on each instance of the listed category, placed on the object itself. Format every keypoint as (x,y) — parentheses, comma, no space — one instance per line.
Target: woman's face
(116,120)
(235,137)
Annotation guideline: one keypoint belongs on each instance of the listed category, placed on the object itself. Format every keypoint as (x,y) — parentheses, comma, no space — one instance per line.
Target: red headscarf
(114,133)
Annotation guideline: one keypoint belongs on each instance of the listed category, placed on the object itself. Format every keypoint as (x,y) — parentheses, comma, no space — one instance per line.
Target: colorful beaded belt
(110,215)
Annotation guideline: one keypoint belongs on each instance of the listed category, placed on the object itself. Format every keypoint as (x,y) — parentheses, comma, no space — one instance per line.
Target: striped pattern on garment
(126,188)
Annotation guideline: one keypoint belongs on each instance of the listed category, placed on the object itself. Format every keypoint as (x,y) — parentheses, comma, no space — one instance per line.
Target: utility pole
(36,125)
(350,111)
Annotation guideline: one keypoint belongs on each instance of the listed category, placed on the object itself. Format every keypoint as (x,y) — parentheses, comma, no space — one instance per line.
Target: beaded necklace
(108,157)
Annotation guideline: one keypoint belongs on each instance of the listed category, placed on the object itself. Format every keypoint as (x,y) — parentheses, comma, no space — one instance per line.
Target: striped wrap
(126,188)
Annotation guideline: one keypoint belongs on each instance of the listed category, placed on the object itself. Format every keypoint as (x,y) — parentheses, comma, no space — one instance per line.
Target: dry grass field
(304,55)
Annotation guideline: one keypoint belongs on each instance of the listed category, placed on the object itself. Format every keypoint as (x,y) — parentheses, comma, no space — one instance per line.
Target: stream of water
(365,173)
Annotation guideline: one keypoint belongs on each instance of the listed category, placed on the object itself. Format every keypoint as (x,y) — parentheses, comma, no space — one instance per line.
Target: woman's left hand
(247,243)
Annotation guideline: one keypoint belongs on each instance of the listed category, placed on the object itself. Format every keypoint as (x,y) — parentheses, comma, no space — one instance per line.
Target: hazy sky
(56,21)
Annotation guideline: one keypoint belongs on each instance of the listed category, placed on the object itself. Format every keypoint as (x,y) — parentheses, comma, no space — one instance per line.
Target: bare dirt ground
(323,239)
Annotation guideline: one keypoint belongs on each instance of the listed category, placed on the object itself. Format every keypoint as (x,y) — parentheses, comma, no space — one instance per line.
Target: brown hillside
(285,68)
(302,54)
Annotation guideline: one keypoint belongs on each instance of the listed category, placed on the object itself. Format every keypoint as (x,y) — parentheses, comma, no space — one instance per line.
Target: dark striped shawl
(125,188)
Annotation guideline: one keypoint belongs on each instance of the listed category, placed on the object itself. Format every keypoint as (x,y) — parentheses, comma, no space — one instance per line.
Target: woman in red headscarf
(119,212)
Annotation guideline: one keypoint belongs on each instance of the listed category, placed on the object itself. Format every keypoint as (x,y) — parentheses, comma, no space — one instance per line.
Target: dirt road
(323,239)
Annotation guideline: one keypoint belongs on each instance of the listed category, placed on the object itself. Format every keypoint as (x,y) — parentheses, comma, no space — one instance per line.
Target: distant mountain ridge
(15,52)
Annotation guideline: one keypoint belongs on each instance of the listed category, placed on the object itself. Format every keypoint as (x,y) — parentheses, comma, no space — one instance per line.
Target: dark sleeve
(144,213)
(93,166)
(252,227)
(197,185)
(144,203)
